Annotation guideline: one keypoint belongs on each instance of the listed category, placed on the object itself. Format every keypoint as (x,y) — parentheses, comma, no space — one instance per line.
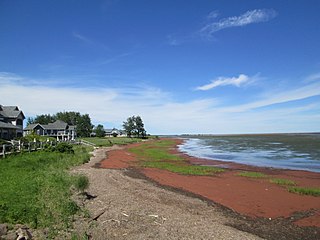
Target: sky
(207,67)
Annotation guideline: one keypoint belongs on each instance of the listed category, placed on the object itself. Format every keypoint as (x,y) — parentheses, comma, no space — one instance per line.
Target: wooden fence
(19,147)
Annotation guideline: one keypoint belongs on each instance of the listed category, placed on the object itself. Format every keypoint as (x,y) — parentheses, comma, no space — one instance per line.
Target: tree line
(134,125)
(81,121)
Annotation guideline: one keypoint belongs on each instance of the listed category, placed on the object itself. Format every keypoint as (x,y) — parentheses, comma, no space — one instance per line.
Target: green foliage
(282,182)
(156,154)
(134,126)
(305,191)
(42,119)
(35,188)
(106,142)
(99,130)
(82,183)
(186,169)
(64,147)
(252,175)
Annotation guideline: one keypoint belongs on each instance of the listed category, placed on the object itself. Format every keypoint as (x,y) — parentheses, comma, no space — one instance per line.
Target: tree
(99,130)
(42,119)
(140,131)
(134,126)
(84,126)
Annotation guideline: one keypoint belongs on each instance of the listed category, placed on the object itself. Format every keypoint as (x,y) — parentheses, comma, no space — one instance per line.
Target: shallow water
(289,151)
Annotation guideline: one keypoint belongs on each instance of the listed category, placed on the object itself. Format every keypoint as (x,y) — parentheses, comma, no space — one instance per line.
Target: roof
(32,126)
(7,125)
(10,111)
(57,125)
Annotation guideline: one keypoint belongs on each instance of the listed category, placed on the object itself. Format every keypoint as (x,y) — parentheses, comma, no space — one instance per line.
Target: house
(11,122)
(115,133)
(58,129)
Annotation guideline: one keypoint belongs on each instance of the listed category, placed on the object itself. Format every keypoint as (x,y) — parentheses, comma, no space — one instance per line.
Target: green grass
(282,182)
(305,191)
(252,175)
(156,154)
(183,169)
(35,188)
(109,141)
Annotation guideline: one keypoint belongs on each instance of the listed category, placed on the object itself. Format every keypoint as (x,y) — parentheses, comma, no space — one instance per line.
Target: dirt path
(128,207)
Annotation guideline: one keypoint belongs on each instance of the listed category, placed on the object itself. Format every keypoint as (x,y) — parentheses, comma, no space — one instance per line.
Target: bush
(64,148)
(82,183)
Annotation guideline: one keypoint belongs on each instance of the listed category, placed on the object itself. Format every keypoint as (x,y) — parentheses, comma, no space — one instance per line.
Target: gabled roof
(10,111)
(7,125)
(32,126)
(57,125)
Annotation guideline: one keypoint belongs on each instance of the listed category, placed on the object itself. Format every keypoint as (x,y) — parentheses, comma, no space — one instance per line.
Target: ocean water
(288,151)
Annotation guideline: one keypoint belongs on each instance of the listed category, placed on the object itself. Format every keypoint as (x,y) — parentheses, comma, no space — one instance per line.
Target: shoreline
(255,198)
(229,163)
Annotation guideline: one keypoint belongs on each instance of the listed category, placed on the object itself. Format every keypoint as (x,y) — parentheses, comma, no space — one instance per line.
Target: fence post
(4,151)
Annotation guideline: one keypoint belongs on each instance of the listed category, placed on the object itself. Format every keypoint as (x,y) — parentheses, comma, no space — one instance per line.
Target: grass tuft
(282,182)
(82,183)
(305,191)
(252,175)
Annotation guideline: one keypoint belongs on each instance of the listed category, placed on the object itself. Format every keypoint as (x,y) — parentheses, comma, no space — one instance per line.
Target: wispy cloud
(213,14)
(89,41)
(81,37)
(273,98)
(313,77)
(224,81)
(249,17)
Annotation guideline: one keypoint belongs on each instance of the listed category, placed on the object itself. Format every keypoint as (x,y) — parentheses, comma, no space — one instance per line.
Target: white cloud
(313,77)
(160,112)
(253,16)
(223,81)
(273,98)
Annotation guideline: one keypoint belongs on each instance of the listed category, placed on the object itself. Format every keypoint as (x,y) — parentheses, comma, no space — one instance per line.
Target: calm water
(290,151)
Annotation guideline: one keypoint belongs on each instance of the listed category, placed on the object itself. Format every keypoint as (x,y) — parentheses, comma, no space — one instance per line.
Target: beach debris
(154,215)
(124,214)
(23,234)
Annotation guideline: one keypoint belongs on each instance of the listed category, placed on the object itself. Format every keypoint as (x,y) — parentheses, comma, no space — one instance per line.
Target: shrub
(82,183)
(64,148)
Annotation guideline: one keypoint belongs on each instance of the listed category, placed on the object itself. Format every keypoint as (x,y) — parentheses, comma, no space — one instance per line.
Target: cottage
(11,122)
(58,129)
(115,133)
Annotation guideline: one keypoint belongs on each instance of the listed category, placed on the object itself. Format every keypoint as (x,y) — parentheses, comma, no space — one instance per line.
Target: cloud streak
(224,81)
(249,17)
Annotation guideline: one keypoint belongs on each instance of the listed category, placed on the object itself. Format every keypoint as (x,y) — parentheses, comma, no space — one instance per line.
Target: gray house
(11,122)
(58,129)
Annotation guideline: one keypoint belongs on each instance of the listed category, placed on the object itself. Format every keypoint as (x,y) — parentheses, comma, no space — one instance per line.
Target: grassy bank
(109,141)
(35,188)
(156,154)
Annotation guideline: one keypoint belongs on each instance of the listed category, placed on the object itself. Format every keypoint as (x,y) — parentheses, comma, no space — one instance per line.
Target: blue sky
(183,66)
